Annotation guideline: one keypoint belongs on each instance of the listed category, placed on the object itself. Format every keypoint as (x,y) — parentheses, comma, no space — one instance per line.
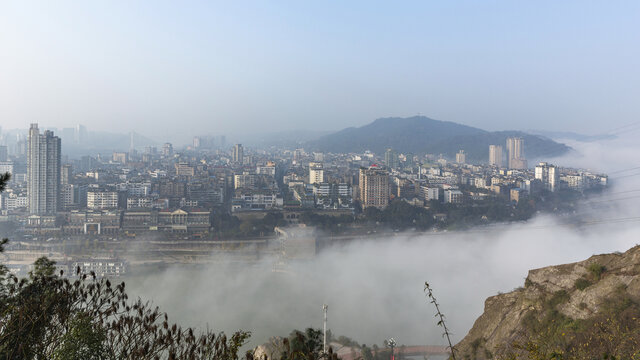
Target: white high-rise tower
(495,155)
(316,173)
(43,171)
(238,154)
(515,153)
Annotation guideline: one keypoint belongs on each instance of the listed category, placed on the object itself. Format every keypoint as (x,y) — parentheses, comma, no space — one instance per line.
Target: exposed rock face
(576,293)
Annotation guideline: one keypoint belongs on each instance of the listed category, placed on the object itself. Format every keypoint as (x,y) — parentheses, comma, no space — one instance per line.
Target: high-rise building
(548,175)
(3,153)
(515,153)
(495,155)
(67,196)
(461,157)
(238,154)
(43,171)
(21,146)
(81,134)
(374,187)
(409,163)
(316,173)
(66,174)
(391,159)
(132,143)
(167,149)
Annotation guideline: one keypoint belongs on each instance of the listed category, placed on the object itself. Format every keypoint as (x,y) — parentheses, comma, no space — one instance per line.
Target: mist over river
(374,288)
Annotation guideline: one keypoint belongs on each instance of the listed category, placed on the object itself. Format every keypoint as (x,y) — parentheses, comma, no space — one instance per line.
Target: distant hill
(421,134)
(572,136)
(289,138)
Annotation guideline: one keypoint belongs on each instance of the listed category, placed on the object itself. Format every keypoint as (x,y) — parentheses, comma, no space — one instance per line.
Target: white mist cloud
(374,287)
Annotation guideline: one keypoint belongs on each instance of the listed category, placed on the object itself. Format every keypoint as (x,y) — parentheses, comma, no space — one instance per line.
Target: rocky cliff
(582,310)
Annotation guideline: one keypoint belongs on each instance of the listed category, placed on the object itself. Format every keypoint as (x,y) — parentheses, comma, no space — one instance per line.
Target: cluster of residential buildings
(181,192)
(421,180)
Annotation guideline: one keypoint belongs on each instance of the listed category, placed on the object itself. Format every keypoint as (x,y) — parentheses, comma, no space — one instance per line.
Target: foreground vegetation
(48,316)
(612,333)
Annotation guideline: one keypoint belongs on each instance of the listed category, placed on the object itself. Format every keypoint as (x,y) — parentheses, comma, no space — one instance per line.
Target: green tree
(82,341)
(366,353)
(306,345)
(48,316)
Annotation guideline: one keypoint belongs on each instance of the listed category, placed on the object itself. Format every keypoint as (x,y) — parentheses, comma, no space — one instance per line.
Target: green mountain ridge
(420,134)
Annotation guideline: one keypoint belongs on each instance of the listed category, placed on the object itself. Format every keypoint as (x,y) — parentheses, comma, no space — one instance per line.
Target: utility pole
(324,329)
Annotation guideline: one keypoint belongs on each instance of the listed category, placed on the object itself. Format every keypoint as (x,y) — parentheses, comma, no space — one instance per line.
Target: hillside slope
(421,134)
(582,310)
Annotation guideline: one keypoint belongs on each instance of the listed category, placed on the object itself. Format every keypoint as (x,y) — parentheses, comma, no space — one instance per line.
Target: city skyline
(246,166)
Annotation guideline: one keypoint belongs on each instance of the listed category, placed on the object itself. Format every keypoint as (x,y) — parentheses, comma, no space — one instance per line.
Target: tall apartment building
(81,134)
(66,174)
(43,171)
(316,173)
(374,187)
(391,159)
(67,196)
(238,154)
(461,157)
(548,175)
(515,153)
(495,155)
(167,149)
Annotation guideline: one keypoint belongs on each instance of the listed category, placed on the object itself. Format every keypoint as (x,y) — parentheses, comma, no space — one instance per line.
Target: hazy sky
(161,67)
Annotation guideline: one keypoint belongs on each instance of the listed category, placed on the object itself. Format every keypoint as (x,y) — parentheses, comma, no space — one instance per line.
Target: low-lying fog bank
(374,288)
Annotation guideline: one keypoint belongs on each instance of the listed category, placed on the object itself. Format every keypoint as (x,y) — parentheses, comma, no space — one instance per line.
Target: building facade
(238,154)
(515,153)
(316,173)
(102,200)
(495,155)
(43,171)
(548,175)
(374,187)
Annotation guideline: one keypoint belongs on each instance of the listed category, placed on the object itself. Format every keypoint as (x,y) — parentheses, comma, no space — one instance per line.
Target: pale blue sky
(161,67)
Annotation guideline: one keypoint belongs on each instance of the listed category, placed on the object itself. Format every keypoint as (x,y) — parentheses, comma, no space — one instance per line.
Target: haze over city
(225,67)
(308,178)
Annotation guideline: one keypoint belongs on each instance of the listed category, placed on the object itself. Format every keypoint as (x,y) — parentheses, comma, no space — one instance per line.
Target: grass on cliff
(594,275)
(612,333)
